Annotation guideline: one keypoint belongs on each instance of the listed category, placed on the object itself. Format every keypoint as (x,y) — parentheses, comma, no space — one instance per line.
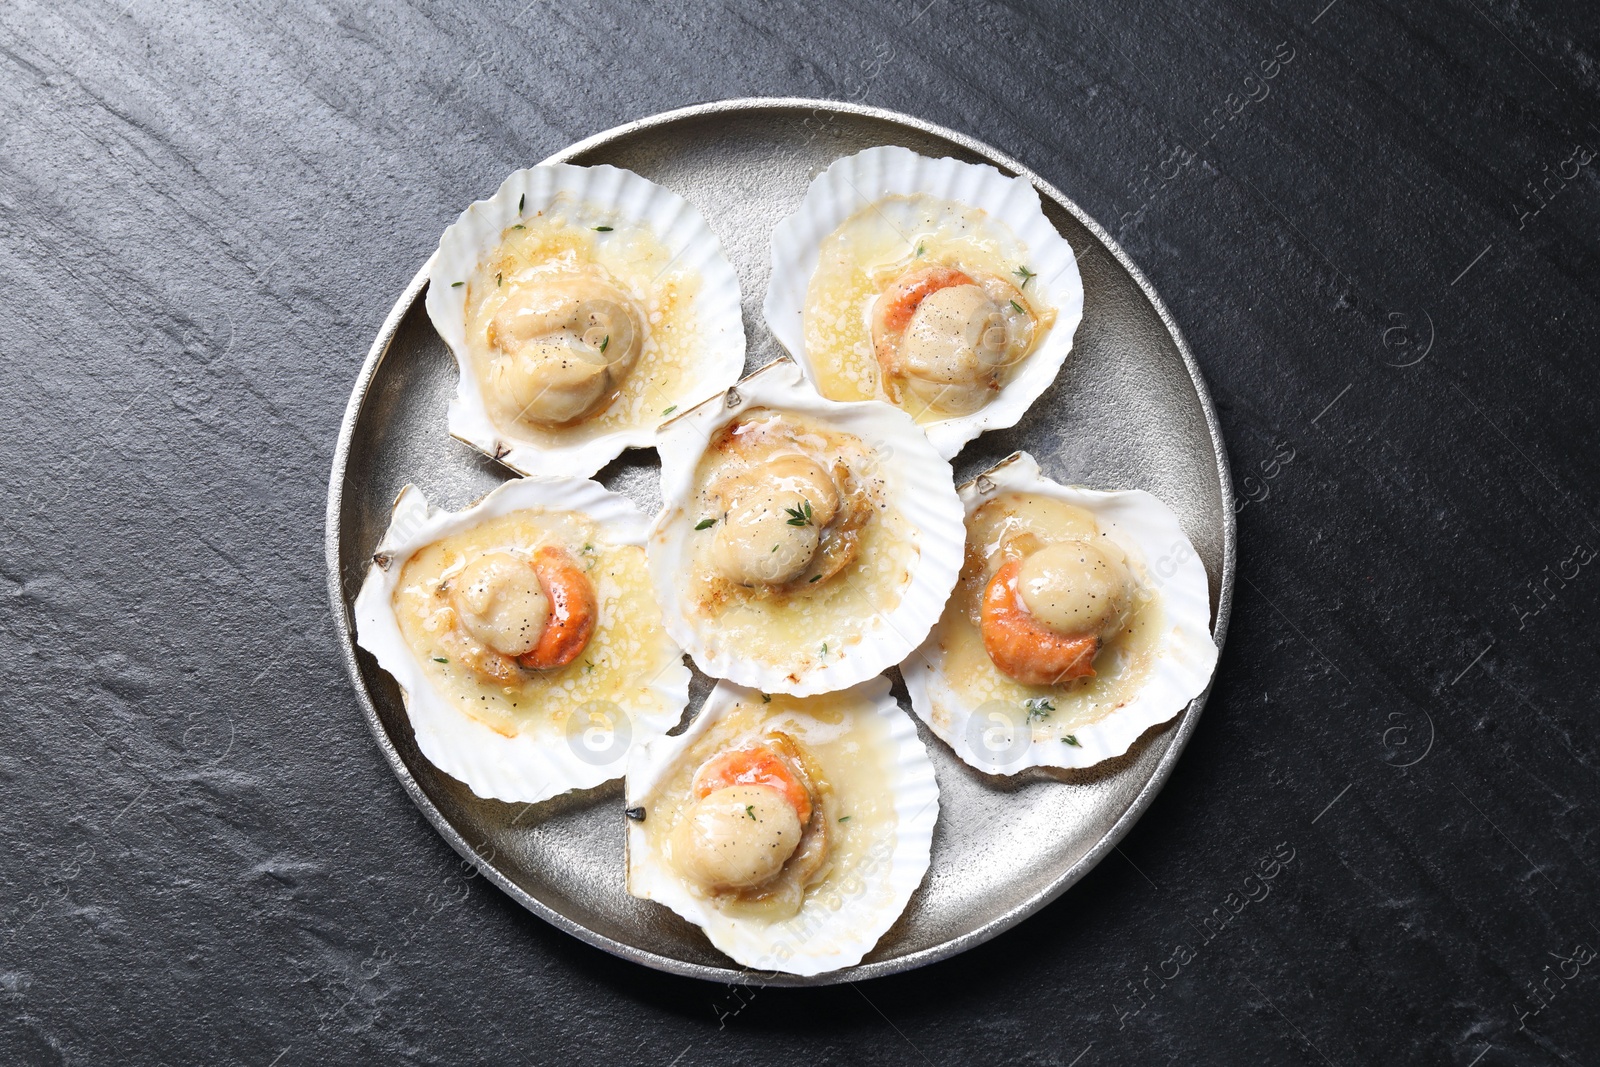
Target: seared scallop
(1080,620)
(524,635)
(792,830)
(803,545)
(584,305)
(935,285)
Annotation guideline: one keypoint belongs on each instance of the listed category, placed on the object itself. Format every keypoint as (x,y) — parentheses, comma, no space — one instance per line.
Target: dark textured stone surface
(207,211)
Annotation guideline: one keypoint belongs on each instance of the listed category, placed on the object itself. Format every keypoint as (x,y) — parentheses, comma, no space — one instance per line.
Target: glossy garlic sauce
(596,247)
(851,756)
(809,622)
(627,651)
(881,243)
(1013,522)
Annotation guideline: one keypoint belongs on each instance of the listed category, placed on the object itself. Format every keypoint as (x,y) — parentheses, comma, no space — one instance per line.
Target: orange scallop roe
(1023,648)
(900,301)
(756,764)
(572,610)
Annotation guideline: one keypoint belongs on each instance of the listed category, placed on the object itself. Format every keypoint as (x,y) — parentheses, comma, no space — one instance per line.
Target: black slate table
(1383,253)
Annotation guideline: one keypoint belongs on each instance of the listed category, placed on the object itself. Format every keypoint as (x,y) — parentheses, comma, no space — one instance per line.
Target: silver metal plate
(1129,410)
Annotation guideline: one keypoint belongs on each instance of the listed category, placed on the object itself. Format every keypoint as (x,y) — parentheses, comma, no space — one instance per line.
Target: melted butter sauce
(849,745)
(866,254)
(1124,662)
(628,649)
(808,626)
(565,237)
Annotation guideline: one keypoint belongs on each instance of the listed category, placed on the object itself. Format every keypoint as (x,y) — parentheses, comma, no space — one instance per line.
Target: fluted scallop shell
(997,739)
(844,915)
(591,197)
(919,489)
(591,747)
(866,178)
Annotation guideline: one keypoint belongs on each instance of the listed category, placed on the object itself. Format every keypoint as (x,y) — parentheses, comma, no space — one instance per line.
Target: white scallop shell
(919,484)
(607,192)
(836,927)
(1164,562)
(525,768)
(856,181)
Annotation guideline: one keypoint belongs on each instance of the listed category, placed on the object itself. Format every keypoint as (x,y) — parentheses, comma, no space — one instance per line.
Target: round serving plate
(1129,410)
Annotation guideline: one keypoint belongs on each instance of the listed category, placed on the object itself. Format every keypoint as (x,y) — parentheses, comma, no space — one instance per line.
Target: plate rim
(1188,720)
